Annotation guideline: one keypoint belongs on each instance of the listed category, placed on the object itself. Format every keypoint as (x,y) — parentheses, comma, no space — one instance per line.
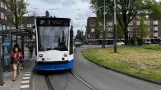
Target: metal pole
(103,45)
(1,70)
(115,31)
(81,35)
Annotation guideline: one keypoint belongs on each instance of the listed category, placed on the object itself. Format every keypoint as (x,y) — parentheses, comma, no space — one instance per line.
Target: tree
(142,31)
(155,11)
(98,29)
(120,33)
(17,9)
(126,10)
(79,35)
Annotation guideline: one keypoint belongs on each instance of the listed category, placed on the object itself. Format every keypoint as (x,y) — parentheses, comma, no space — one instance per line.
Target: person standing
(16,62)
(31,50)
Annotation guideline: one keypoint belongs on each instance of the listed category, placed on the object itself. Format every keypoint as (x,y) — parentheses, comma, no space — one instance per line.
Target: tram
(54,44)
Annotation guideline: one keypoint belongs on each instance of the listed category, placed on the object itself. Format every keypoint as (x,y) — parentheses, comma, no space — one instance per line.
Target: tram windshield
(53,38)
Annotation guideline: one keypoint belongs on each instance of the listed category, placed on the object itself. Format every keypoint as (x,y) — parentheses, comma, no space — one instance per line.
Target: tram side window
(71,42)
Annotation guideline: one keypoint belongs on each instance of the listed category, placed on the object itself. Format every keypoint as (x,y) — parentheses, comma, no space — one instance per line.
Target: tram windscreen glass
(53,38)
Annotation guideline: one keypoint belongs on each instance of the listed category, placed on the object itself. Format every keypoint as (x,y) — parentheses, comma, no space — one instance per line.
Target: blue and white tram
(54,44)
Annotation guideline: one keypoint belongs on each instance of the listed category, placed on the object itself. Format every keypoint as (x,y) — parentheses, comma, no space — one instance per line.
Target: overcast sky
(77,10)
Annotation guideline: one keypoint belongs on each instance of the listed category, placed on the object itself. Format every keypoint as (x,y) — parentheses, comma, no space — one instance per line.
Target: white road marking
(26,77)
(27,81)
(24,86)
(27,74)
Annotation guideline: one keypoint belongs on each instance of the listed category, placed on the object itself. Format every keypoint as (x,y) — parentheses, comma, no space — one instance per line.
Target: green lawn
(137,61)
(153,47)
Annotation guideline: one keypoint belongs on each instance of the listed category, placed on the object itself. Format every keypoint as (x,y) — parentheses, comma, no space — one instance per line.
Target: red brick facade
(154,27)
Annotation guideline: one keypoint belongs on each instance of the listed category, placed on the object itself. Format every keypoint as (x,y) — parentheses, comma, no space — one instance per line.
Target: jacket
(19,55)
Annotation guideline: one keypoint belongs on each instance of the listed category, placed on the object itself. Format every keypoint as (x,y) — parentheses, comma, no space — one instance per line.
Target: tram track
(82,81)
(50,87)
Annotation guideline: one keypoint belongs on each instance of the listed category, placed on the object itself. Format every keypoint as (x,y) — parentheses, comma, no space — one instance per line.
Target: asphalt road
(94,75)
(103,79)
(66,81)
(60,80)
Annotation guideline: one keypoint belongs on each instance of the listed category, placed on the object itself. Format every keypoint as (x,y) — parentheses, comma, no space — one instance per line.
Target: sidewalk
(20,82)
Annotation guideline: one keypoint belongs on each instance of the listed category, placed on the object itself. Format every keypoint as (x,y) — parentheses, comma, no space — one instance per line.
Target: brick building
(154,28)
(3,18)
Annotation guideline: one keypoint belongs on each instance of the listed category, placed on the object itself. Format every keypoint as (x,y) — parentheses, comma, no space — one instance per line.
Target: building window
(147,17)
(92,35)
(109,24)
(2,15)
(138,22)
(13,28)
(155,34)
(155,22)
(2,5)
(109,29)
(131,23)
(88,35)
(131,35)
(28,25)
(5,7)
(8,27)
(93,24)
(155,28)
(148,28)
(101,36)
(147,22)
(5,17)
(130,29)
(111,35)
(22,25)
(138,17)
(4,27)
(92,30)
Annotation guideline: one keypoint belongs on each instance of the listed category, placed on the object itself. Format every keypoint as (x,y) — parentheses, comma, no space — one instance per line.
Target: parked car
(120,43)
(148,42)
(78,44)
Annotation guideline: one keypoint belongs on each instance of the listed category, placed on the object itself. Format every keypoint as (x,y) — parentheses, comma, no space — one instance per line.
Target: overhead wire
(59,9)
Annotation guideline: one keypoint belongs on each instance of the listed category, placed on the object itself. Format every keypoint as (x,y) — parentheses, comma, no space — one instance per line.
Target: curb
(137,77)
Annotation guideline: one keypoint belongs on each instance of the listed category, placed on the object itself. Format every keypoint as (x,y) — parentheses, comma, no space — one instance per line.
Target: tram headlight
(40,55)
(65,55)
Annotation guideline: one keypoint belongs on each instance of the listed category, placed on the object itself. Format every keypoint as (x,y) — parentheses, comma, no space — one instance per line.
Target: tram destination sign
(53,21)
